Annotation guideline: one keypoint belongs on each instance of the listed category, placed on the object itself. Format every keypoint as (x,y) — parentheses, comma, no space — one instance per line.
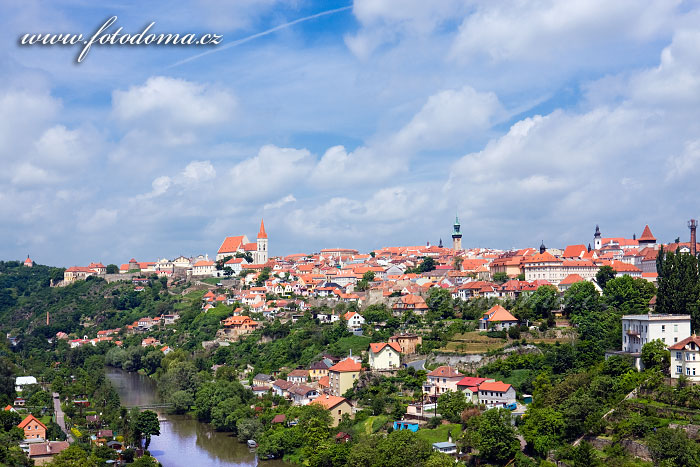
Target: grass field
(472,343)
(372,424)
(440,433)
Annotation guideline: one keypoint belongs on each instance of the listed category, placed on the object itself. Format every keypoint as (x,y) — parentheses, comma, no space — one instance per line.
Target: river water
(183,441)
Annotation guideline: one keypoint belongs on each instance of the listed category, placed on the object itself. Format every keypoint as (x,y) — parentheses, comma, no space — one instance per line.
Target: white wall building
(685,358)
(637,330)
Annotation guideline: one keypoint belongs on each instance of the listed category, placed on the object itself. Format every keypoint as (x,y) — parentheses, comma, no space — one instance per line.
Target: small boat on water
(252,443)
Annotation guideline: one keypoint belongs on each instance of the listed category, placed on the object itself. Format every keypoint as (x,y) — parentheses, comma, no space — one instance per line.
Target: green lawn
(211,280)
(440,433)
(372,424)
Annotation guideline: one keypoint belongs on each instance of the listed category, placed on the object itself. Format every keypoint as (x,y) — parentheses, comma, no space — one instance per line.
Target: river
(183,441)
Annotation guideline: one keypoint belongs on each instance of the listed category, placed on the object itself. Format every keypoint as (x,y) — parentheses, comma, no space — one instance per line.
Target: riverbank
(183,441)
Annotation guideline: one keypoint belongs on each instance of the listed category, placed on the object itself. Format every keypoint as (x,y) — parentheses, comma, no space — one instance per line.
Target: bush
(435,422)
(514,332)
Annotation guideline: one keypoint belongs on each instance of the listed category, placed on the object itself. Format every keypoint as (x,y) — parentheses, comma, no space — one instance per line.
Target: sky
(369,126)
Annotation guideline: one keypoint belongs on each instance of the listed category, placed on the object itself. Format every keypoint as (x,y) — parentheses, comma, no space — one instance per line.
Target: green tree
(500,277)
(604,274)
(147,425)
(451,405)
(112,269)
(679,285)
(544,300)
(672,448)
(249,428)
(629,295)
(440,303)
(543,429)
(655,354)
(495,436)
(581,297)
(182,401)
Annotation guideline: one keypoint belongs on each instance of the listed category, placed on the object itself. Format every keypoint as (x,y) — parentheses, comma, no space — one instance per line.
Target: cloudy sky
(366,127)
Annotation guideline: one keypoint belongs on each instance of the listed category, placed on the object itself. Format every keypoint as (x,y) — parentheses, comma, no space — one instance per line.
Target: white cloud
(516,30)
(199,171)
(270,172)
(29,175)
(99,220)
(450,116)
(281,202)
(60,146)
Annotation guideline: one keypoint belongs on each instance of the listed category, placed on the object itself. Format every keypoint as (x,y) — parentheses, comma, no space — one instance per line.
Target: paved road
(418,364)
(60,417)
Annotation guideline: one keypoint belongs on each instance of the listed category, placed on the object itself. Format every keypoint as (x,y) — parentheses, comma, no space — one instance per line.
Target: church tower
(597,240)
(261,252)
(456,236)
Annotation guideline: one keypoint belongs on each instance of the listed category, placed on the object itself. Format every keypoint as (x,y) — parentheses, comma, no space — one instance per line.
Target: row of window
(688,371)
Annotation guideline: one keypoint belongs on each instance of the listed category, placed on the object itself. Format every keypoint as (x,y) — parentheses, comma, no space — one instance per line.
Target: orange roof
(542,258)
(646,235)
(346,365)
(695,340)
(445,372)
(329,402)
(231,244)
(203,263)
(498,386)
(498,313)
(574,251)
(30,418)
(377,347)
(571,279)
(324,382)
(8,407)
(262,233)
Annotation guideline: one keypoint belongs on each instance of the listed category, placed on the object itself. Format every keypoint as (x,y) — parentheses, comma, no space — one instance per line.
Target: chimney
(693,226)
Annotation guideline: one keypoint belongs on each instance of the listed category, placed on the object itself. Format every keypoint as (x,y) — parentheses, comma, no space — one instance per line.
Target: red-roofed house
(496,394)
(383,356)
(410,302)
(469,385)
(568,281)
(354,320)
(342,375)
(685,358)
(442,379)
(33,428)
(337,406)
(497,318)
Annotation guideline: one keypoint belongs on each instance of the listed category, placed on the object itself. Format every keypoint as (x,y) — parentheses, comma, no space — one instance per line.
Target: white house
(497,318)
(685,358)
(354,320)
(23,381)
(383,356)
(496,394)
(637,330)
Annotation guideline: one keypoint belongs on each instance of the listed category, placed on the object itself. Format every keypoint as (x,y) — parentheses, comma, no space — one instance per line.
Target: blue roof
(444,444)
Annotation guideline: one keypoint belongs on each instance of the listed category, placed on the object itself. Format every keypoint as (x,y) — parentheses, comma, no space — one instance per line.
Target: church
(240,244)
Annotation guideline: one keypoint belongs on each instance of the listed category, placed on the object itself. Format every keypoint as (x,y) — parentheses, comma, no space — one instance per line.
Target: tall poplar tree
(679,285)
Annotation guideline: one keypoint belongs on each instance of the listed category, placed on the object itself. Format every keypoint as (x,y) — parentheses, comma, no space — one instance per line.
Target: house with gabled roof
(343,374)
(469,385)
(336,405)
(33,428)
(384,356)
(497,318)
(441,380)
(496,394)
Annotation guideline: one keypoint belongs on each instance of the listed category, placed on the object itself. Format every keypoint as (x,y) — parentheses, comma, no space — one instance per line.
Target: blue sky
(368,127)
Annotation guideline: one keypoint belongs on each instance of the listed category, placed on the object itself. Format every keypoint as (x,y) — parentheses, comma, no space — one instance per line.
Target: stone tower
(456,236)
(261,252)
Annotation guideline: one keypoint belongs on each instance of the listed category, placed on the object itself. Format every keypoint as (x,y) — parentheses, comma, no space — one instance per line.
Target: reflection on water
(183,441)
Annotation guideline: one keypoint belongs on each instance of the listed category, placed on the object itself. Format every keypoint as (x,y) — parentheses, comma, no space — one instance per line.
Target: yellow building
(337,406)
(342,375)
(383,356)
(318,370)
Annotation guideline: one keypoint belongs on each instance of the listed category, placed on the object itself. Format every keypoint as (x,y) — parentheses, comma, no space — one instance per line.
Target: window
(675,328)
(679,356)
(675,339)
(663,328)
(693,371)
(687,371)
(679,370)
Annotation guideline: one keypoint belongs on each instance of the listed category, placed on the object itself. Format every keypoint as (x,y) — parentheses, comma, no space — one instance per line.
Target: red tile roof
(231,244)
(346,365)
(682,344)
(445,372)
(470,381)
(329,401)
(377,347)
(28,419)
(498,313)
(498,386)
(646,235)
(571,279)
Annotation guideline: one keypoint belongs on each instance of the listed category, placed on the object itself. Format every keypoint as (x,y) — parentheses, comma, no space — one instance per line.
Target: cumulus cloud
(270,172)
(516,30)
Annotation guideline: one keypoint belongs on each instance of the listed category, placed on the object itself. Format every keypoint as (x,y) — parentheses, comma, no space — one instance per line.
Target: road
(60,417)
(418,364)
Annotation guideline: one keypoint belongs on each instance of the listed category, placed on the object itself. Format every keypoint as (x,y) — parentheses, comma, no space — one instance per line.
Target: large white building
(638,330)
(240,244)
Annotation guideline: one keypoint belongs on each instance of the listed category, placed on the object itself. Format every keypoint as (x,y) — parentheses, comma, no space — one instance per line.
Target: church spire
(262,233)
